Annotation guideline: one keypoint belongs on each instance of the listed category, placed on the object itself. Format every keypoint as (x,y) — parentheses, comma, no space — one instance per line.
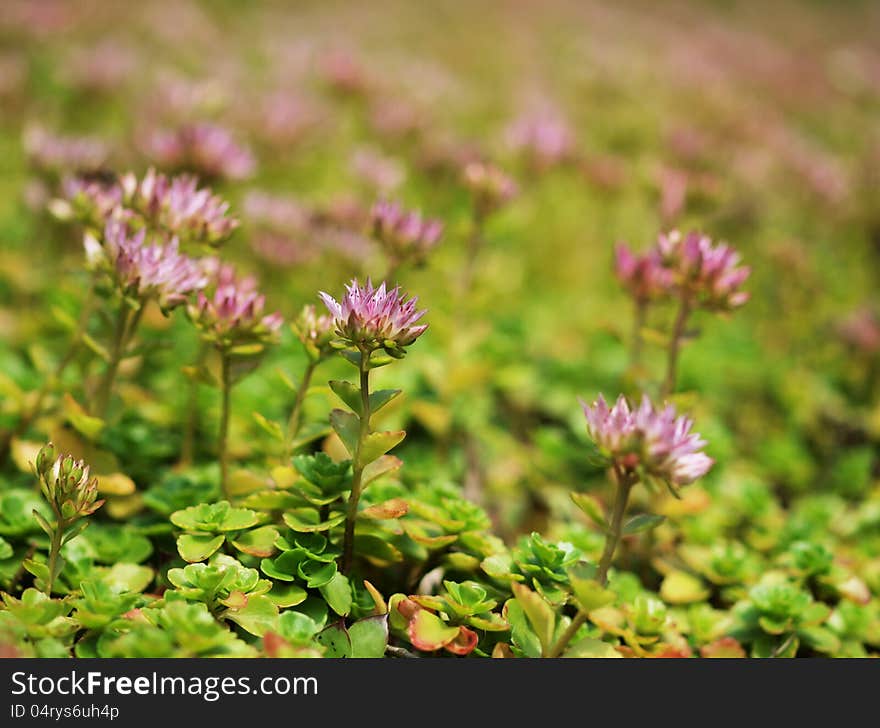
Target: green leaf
(257,617)
(348,427)
(258,542)
(348,393)
(97,348)
(679,587)
(128,577)
(44,524)
(428,632)
(589,647)
(308,520)
(85,424)
(382,466)
(820,639)
(589,593)
(642,522)
(376,550)
(369,636)
(287,595)
(539,613)
(336,640)
(382,397)
(377,444)
(337,592)
(591,507)
(269,426)
(198,547)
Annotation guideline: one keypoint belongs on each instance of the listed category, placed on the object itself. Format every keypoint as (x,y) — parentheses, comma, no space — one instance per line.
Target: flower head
(66,485)
(644,276)
(314,331)
(543,135)
(54,154)
(90,200)
(150,271)
(490,186)
(646,441)
(372,318)
(207,149)
(404,234)
(710,271)
(180,207)
(234,314)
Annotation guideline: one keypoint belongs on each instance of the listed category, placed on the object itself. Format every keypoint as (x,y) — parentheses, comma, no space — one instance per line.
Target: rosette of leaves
(729,565)
(99,604)
(813,563)
(857,626)
(293,636)
(177,629)
(780,618)
(545,565)
(644,627)
(207,526)
(307,560)
(452,621)
(224,582)
(39,622)
(445,528)
(177,492)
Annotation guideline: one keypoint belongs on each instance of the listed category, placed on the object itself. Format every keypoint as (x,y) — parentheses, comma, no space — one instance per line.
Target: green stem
(625,484)
(188,446)
(675,345)
(126,325)
(357,473)
(54,552)
(222,445)
(638,324)
(293,424)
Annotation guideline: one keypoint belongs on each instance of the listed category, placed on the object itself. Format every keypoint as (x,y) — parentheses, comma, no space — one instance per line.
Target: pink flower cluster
(490,186)
(179,207)
(711,271)
(708,274)
(404,234)
(644,276)
(149,271)
(646,441)
(543,135)
(206,149)
(56,154)
(374,318)
(234,315)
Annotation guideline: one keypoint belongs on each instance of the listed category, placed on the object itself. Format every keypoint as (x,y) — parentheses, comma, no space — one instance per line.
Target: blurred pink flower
(644,276)
(234,315)
(490,186)
(543,135)
(55,154)
(404,234)
(384,174)
(861,330)
(206,149)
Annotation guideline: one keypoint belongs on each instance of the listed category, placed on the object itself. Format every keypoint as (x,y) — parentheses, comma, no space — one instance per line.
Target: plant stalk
(293,424)
(222,444)
(357,473)
(675,342)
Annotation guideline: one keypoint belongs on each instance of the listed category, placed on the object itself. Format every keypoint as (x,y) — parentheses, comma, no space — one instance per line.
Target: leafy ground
(755,125)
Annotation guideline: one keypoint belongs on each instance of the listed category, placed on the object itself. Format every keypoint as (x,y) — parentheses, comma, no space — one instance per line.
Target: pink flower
(711,272)
(207,149)
(644,276)
(491,187)
(404,234)
(180,207)
(374,318)
(149,271)
(646,441)
(90,200)
(55,154)
(377,170)
(234,314)
(543,135)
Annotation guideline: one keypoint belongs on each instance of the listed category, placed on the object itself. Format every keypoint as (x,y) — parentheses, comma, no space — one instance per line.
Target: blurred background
(756,123)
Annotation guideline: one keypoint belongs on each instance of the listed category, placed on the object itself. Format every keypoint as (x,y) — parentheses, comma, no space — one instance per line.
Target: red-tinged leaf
(464,642)
(383,466)
(394,508)
(428,632)
(724,647)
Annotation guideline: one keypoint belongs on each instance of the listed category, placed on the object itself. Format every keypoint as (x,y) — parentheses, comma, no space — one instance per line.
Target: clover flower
(180,207)
(372,318)
(490,186)
(403,233)
(234,315)
(709,271)
(149,271)
(644,276)
(646,441)
(207,149)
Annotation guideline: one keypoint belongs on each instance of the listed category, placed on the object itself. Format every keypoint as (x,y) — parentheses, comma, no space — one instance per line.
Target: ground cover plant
(450,331)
